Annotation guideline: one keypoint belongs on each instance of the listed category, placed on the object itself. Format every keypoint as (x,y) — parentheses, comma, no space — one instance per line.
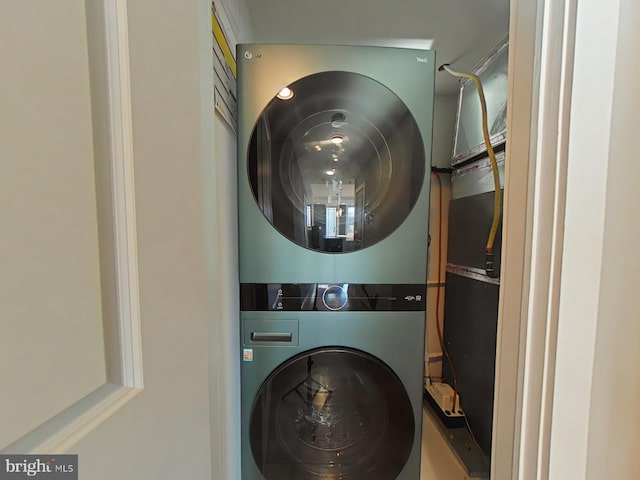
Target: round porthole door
(336,162)
(332,414)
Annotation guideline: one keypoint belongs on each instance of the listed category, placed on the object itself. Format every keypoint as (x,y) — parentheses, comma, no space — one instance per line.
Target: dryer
(340,167)
(334,155)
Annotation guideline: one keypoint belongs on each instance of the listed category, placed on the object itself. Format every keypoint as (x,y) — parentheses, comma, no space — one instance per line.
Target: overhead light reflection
(285,94)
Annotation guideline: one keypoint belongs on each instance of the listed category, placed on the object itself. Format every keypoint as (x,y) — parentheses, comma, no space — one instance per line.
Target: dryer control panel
(355,297)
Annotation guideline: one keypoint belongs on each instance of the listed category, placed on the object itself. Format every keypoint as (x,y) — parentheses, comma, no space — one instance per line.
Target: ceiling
(463,31)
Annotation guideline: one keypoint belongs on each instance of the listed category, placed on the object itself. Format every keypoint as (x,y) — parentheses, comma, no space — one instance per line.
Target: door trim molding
(124,215)
(541,75)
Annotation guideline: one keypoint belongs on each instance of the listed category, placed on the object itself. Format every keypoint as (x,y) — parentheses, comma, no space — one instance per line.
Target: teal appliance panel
(333,202)
(345,401)
(333,177)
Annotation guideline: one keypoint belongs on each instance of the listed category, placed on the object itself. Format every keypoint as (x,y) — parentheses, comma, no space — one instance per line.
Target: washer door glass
(332,413)
(336,162)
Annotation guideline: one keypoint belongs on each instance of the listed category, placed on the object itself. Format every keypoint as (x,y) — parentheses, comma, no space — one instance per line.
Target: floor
(438,461)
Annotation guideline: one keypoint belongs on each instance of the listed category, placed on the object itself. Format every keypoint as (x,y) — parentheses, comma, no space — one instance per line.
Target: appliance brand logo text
(422,60)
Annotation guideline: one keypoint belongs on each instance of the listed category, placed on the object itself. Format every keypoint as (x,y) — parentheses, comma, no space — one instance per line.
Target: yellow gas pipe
(497,202)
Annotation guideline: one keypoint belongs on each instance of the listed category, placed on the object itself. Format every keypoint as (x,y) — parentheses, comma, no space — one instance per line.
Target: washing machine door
(336,162)
(332,414)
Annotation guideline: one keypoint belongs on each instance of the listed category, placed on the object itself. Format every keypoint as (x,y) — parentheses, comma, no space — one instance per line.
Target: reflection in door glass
(339,165)
(332,414)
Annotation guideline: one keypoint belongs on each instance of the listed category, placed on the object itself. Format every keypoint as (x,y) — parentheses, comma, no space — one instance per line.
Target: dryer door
(332,413)
(336,162)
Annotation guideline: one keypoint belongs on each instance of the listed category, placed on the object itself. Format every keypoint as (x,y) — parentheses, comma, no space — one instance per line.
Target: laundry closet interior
(367,233)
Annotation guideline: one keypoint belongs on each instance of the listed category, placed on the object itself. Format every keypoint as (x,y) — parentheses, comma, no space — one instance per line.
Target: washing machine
(334,148)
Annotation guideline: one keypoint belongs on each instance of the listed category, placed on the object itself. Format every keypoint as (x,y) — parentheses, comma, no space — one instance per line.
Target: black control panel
(352,297)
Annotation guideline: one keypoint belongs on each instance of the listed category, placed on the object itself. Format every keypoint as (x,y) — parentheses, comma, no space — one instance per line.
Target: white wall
(464,31)
(237,12)
(593,434)
(225,325)
(222,236)
(614,436)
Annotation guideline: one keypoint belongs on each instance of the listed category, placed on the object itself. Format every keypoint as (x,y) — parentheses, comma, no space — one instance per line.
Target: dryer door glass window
(336,162)
(332,413)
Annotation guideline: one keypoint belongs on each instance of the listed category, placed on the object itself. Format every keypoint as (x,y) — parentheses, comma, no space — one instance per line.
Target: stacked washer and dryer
(333,185)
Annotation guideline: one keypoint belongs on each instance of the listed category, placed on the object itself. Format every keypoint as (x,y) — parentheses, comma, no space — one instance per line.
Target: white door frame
(542,40)
(567,346)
